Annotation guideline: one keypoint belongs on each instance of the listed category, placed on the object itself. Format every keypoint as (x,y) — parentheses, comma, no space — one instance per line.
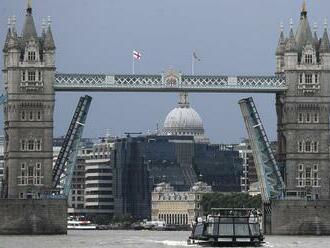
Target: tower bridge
(169,81)
(301,85)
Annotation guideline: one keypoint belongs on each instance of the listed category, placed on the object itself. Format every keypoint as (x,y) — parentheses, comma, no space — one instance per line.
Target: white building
(177,208)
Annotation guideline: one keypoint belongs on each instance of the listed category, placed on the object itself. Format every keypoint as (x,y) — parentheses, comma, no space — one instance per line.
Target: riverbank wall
(300,217)
(33,216)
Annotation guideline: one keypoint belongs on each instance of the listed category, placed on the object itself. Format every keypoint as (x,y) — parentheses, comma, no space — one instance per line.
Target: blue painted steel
(270,180)
(67,157)
(170,81)
(3,99)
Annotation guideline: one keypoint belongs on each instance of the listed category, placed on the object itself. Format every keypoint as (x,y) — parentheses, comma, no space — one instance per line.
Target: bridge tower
(29,73)
(303,110)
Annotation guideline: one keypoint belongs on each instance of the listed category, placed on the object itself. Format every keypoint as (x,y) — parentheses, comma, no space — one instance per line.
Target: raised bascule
(297,185)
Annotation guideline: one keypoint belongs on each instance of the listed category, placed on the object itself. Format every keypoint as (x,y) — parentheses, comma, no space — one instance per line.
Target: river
(141,239)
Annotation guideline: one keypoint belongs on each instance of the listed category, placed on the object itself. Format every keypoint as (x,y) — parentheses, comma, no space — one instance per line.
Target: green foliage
(230,200)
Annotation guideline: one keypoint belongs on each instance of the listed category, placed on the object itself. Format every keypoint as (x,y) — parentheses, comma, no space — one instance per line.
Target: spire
(281,42)
(304,9)
(29,7)
(183,103)
(316,39)
(9,34)
(29,29)
(291,45)
(304,33)
(325,44)
(49,43)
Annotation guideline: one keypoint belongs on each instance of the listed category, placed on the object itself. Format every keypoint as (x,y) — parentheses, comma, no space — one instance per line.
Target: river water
(141,239)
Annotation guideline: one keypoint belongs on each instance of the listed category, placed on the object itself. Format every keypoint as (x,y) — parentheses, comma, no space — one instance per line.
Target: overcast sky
(232,37)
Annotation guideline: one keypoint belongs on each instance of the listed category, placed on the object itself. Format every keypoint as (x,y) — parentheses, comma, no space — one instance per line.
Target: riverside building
(177,207)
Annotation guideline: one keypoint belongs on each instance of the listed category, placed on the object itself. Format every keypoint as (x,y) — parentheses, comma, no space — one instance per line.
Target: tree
(229,200)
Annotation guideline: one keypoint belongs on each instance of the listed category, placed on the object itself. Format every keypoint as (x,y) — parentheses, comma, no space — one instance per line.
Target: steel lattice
(168,81)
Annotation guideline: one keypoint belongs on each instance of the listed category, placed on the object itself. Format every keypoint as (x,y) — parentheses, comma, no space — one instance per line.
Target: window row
(31,115)
(308,78)
(308,176)
(31,76)
(31,144)
(308,117)
(30,174)
(308,146)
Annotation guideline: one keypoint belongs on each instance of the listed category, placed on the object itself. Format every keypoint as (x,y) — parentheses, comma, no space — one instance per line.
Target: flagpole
(192,64)
(133,65)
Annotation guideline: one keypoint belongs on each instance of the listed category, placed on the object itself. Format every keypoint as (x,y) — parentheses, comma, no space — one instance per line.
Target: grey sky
(98,36)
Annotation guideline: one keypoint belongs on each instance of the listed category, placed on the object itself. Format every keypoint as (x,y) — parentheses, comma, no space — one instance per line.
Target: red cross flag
(136,55)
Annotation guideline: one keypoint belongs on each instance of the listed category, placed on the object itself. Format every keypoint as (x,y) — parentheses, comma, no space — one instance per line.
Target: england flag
(136,55)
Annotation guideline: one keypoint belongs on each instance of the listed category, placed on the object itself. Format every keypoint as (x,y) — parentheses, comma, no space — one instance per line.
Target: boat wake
(174,243)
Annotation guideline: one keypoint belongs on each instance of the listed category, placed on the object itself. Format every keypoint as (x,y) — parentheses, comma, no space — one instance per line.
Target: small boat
(228,227)
(80,224)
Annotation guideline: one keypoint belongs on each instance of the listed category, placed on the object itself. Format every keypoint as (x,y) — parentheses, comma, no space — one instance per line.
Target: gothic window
(308,173)
(23,76)
(300,146)
(316,78)
(30,171)
(315,167)
(39,76)
(308,58)
(308,117)
(315,146)
(308,146)
(38,145)
(31,115)
(23,145)
(301,167)
(316,117)
(39,115)
(32,76)
(23,115)
(30,145)
(301,78)
(37,176)
(308,78)
(31,56)
(300,117)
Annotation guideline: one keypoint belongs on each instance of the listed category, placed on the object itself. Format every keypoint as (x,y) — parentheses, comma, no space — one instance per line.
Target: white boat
(80,225)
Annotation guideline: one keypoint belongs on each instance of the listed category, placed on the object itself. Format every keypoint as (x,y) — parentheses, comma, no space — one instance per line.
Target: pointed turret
(49,43)
(29,29)
(325,44)
(8,35)
(316,39)
(281,43)
(304,34)
(291,45)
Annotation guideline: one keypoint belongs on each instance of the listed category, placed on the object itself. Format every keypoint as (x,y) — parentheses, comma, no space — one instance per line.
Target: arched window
(308,146)
(315,146)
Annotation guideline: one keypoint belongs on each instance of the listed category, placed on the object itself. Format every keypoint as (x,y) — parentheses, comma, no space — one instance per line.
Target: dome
(183,120)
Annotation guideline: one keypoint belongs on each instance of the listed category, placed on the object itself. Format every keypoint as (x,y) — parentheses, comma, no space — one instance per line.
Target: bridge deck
(169,82)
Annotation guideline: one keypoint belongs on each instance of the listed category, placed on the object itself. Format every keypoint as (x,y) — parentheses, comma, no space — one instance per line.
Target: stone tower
(303,110)
(29,71)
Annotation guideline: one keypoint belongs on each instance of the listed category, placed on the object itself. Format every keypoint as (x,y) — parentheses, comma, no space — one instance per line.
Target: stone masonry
(29,73)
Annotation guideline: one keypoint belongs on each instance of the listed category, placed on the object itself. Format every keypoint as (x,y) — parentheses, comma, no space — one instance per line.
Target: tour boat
(230,227)
(77,224)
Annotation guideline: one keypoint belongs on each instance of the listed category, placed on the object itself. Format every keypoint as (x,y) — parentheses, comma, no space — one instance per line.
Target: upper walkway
(170,81)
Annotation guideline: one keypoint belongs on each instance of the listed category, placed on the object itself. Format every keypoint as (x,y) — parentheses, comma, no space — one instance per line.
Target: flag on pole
(136,55)
(196,57)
